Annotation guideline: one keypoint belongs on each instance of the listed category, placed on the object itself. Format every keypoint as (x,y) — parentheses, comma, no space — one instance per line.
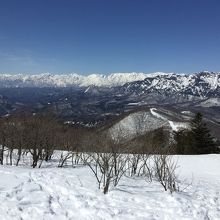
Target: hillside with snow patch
(140,122)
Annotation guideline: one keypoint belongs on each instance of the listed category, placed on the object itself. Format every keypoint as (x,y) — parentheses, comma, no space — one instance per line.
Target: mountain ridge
(65,80)
(114,95)
(203,84)
(161,79)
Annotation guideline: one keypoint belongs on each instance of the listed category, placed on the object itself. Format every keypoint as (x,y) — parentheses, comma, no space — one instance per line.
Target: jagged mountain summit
(68,80)
(203,84)
(199,84)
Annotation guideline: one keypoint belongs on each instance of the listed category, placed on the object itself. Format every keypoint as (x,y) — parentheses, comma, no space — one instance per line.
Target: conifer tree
(181,141)
(201,140)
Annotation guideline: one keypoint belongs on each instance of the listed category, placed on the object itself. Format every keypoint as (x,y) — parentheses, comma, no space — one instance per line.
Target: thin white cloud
(24,62)
(21,60)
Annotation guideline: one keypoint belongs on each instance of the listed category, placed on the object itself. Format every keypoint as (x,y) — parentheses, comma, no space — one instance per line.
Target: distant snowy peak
(66,80)
(198,83)
(201,84)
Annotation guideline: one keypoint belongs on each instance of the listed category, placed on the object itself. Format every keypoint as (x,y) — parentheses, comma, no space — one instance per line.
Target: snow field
(72,193)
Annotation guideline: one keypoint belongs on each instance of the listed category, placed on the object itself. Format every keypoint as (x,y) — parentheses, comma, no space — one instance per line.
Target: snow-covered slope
(71,193)
(210,102)
(136,124)
(142,121)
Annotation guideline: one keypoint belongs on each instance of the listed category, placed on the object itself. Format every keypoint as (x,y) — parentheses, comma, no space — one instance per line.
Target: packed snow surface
(72,193)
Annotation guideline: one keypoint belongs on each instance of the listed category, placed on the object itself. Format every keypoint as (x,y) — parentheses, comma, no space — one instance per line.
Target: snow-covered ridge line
(140,122)
(203,84)
(65,80)
(111,80)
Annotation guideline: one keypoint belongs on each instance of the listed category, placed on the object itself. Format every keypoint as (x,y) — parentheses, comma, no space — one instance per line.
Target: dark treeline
(34,138)
(40,135)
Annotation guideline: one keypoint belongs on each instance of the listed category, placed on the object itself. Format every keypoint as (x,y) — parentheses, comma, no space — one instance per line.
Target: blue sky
(91,36)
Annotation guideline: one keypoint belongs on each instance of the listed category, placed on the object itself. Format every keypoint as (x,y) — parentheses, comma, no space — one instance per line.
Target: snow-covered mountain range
(67,80)
(199,84)
(203,84)
(94,99)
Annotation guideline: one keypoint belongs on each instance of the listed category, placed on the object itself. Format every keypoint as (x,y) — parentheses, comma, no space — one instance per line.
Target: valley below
(98,100)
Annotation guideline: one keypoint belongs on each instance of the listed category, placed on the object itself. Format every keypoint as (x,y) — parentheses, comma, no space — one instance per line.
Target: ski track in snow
(157,115)
(175,126)
(71,193)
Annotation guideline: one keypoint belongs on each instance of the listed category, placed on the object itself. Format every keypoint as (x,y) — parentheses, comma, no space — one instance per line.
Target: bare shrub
(3,138)
(107,163)
(145,168)
(165,172)
(134,163)
(70,142)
